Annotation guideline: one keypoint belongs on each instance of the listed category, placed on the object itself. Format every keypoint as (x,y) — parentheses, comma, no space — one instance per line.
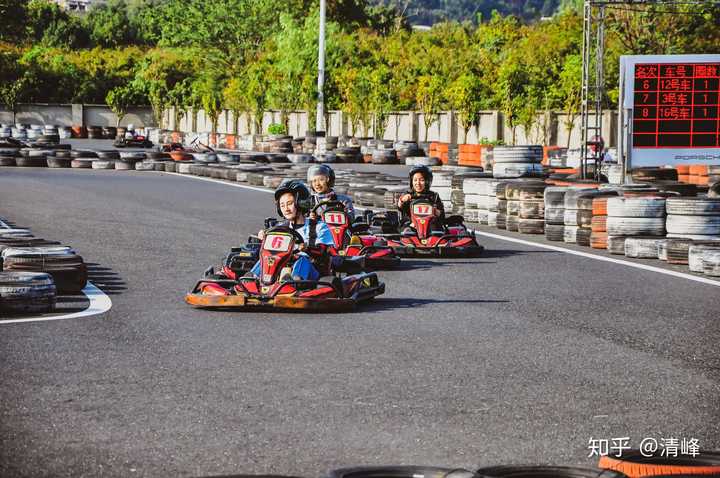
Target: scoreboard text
(676,105)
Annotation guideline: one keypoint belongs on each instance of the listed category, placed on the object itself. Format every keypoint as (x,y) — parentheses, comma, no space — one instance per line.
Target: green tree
(14,20)
(510,92)
(567,92)
(467,97)
(236,101)
(429,99)
(120,98)
(108,24)
(382,98)
(209,90)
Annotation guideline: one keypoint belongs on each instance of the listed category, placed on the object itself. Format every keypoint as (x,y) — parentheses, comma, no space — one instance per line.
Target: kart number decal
(278,243)
(422,209)
(334,218)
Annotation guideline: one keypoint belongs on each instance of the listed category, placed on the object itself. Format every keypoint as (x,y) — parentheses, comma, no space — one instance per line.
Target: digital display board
(675,103)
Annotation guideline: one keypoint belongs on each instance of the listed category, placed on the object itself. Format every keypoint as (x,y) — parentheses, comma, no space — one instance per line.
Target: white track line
(99,304)
(603,258)
(587,255)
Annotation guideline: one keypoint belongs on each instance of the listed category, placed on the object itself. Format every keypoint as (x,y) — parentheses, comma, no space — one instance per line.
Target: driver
(292,198)
(420,181)
(321,178)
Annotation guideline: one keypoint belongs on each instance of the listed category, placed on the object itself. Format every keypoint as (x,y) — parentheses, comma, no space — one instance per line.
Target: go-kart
(427,235)
(274,289)
(352,239)
(136,141)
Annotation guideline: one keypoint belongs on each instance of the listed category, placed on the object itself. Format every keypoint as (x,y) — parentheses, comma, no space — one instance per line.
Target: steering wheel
(334,205)
(285,229)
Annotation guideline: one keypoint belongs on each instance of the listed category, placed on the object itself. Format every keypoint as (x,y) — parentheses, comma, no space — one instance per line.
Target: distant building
(78,5)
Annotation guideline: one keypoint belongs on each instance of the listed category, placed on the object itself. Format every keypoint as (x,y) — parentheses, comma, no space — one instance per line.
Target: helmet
(425,171)
(298,189)
(322,170)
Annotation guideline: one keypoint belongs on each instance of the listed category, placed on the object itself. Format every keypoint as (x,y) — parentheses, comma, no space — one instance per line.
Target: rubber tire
(555,232)
(512,471)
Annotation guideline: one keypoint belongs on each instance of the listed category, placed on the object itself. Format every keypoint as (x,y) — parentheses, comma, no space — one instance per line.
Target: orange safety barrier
(79,132)
(684,178)
(230,141)
(699,169)
(683,169)
(638,467)
(469,148)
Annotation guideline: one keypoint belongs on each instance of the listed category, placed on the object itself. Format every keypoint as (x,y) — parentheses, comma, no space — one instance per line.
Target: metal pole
(320,116)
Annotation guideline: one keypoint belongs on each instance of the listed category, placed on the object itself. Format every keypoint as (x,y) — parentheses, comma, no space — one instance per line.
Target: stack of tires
(705,258)
(577,216)
(479,197)
(554,198)
(384,154)
(94,132)
(407,149)
(442,185)
(694,218)
(598,224)
(517,161)
(526,202)
(634,217)
(26,293)
(67,269)
(502,205)
(349,154)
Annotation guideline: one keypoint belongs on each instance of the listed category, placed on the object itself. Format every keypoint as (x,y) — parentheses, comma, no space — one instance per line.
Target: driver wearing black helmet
(292,199)
(420,181)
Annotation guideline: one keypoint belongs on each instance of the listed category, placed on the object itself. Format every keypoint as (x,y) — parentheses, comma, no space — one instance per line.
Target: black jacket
(430,196)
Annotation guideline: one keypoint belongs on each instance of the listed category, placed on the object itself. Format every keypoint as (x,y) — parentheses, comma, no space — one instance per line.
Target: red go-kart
(277,253)
(353,239)
(428,236)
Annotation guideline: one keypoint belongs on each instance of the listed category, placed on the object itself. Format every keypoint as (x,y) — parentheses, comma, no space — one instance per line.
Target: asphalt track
(521,356)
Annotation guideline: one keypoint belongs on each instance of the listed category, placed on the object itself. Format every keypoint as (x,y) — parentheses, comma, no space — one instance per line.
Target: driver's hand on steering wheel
(301,247)
(404,198)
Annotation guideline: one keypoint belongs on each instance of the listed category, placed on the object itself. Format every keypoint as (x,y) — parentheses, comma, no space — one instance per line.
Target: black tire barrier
(68,271)
(7,161)
(55,162)
(80,153)
(108,154)
(555,232)
(400,472)
(31,161)
(582,236)
(26,292)
(545,472)
(616,245)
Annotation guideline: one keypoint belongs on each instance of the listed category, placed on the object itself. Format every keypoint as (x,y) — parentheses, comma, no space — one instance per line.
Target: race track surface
(521,356)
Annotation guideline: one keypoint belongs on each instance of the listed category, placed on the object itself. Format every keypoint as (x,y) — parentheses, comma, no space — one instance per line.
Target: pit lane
(520,356)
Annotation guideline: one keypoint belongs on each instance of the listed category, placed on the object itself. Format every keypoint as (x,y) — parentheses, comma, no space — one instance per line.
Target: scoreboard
(675,103)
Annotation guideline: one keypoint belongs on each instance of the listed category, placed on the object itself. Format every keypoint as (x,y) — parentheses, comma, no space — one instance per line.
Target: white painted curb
(99,304)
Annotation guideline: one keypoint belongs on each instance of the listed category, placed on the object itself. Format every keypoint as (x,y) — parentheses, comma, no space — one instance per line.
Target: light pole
(320,116)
